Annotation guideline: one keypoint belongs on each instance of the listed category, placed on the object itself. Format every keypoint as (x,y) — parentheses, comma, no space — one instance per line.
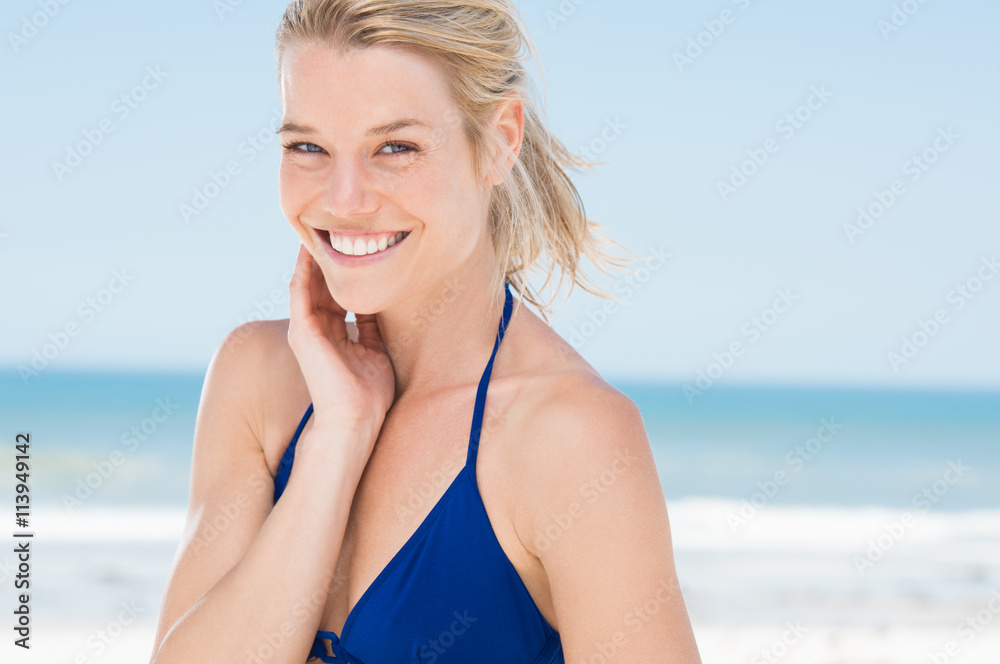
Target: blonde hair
(536,210)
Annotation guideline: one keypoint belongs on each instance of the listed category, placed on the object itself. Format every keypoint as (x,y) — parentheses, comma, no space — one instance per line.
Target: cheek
(292,199)
(292,194)
(461,202)
(448,207)
(286,193)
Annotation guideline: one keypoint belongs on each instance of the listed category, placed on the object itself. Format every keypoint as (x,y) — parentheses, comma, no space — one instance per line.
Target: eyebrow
(395,125)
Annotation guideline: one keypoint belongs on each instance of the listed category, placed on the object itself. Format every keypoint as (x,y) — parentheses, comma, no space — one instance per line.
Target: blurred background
(812,342)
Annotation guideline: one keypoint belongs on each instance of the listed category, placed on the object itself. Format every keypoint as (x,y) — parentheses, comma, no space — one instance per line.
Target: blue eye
(404,146)
(293,147)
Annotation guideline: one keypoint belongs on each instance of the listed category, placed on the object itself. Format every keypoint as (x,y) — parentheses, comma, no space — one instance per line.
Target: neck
(444,333)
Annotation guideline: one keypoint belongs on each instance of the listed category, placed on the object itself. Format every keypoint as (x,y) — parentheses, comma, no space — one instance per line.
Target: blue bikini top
(450,595)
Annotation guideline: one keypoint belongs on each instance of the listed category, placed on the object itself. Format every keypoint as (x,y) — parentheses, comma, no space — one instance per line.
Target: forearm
(272,600)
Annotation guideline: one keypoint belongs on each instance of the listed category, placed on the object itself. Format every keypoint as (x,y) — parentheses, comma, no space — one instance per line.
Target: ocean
(809,524)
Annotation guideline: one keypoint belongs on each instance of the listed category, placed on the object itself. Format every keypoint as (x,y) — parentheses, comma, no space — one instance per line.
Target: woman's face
(374,147)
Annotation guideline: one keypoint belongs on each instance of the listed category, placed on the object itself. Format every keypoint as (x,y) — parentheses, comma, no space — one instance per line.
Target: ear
(507,125)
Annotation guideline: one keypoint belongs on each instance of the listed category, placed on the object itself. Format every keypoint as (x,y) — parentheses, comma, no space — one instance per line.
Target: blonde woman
(445,479)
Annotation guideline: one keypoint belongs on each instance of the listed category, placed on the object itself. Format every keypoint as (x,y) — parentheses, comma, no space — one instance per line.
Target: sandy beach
(785,586)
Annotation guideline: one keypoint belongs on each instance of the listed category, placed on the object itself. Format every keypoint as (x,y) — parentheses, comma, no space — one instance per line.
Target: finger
(322,297)
(304,315)
(333,316)
(369,334)
(299,297)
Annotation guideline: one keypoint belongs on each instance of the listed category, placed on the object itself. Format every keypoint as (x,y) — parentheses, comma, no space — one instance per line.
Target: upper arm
(232,488)
(597,521)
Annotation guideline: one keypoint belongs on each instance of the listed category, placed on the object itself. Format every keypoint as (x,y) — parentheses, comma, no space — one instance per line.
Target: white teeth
(360,247)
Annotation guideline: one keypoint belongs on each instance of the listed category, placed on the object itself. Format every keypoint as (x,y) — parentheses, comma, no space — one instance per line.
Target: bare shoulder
(570,426)
(266,368)
(564,404)
(577,423)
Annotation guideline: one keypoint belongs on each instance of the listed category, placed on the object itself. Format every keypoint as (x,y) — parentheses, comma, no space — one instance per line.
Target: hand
(350,380)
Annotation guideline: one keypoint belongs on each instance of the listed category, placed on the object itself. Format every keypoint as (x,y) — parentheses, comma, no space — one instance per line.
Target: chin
(360,299)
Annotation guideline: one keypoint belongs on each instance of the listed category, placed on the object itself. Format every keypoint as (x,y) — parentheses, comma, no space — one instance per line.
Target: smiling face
(374,152)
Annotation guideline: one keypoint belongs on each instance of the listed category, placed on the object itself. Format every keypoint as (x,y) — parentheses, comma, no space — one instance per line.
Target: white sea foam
(697,524)
(718,524)
(88,523)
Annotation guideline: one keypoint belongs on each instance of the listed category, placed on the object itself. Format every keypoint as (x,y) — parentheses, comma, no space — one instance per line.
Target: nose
(348,189)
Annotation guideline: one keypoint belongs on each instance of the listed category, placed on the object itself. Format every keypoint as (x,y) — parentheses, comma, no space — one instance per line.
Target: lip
(357,261)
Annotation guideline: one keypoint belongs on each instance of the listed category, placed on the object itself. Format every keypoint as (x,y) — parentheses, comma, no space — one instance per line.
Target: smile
(347,245)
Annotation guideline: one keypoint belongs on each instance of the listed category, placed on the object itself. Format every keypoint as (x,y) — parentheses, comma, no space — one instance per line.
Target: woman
(422,186)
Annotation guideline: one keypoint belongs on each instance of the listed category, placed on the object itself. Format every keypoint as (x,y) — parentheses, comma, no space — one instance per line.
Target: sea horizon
(828,445)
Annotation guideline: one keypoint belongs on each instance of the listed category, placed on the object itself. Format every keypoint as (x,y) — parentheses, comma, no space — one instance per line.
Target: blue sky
(838,112)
